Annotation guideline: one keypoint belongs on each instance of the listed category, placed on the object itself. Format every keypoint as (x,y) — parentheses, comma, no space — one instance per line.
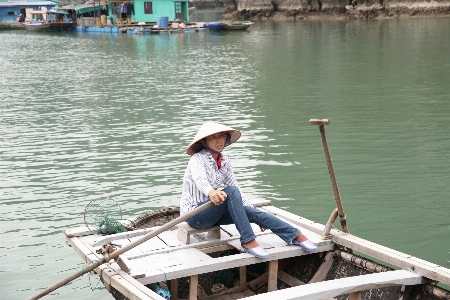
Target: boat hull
(36,27)
(226,26)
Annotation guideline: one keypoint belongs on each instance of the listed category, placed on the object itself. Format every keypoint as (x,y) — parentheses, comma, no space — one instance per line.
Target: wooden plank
(396,258)
(232,230)
(387,255)
(76,232)
(147,247)
(174,289)
(322,272)
(270,240)
(225,297)
(225,262)
(248,293)
(130,291)
(273,276)
(242,275)
(238,295)
(112,275)
(215,248)
(123,243)
(164,261)
(123,235)
(237,243)
(290,280)
(193,282)
(170,238)
(92,239)
(333,288)
(129,287)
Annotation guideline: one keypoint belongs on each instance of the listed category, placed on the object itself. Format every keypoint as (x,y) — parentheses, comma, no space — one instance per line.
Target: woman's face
(216,141)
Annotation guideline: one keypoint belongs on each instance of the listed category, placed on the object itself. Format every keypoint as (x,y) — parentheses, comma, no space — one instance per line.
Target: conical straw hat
(208,128)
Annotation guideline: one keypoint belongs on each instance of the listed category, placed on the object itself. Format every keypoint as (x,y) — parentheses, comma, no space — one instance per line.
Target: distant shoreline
(422,10)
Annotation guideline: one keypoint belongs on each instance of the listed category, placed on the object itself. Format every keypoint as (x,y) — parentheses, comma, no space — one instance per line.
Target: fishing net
(103,215)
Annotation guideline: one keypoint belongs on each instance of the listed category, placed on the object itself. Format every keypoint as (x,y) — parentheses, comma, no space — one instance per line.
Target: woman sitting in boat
(208,170)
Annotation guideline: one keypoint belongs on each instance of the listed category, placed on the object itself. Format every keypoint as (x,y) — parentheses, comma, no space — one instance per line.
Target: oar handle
(337,195)
(106,258)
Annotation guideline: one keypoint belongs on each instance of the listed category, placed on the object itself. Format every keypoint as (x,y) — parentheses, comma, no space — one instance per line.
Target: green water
(84,116)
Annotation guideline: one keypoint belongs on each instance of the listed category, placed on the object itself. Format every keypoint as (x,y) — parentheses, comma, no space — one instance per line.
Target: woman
(208,170)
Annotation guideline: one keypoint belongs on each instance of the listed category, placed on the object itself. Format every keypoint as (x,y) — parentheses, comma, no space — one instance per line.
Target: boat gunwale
(387,255)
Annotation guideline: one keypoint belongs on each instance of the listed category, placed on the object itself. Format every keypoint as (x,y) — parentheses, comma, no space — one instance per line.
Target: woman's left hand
(217,197)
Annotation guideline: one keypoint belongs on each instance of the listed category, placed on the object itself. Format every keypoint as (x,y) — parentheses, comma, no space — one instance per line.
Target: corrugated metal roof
(26,3)
(81,8)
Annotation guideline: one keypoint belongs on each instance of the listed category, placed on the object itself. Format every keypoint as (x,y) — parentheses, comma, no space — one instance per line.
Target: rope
(100,279)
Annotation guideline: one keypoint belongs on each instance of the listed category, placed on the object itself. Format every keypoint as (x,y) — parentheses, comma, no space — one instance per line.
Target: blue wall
(6,17)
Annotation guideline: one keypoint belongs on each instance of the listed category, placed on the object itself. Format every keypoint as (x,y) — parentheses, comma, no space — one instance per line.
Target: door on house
(178,10)
(27,13)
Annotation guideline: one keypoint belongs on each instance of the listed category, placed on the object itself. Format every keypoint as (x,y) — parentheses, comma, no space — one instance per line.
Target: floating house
(146,10)
(11,10)
(119,13)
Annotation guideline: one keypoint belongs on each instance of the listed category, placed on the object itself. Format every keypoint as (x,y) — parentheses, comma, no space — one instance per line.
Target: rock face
(334,9)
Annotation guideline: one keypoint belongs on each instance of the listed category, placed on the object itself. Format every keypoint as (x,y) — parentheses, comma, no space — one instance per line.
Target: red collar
(219,160)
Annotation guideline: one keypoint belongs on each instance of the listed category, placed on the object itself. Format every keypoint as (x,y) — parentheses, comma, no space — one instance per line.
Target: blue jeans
(232,211)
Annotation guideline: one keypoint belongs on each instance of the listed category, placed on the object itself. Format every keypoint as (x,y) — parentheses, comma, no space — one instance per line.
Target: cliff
(335,9)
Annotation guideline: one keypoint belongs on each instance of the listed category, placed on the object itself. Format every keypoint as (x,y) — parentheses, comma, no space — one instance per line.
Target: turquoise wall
(160,8)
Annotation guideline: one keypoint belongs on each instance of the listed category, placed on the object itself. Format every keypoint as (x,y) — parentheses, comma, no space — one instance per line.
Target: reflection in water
(110,115)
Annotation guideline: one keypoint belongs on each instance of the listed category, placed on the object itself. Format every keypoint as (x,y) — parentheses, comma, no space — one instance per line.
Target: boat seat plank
(237,244)
(271,239)
(131,252)
(333,288)
(165,261)
(151,275)
(232,230)
(170,238)
(150,245)
(92,239)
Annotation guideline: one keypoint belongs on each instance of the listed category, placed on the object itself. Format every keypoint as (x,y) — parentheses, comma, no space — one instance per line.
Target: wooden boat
(188,263)
(235,25)
(38,21)
(36,25)
(49,20)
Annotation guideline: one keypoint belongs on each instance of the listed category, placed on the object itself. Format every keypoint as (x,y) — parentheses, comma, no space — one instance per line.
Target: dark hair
(199,145)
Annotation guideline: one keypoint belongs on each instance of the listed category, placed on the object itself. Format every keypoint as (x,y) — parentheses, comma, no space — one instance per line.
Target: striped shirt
(203,175)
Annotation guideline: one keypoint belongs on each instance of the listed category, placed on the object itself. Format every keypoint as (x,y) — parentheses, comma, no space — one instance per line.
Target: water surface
(85,116)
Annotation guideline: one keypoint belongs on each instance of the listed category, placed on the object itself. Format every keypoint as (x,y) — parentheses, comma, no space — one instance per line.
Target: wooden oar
(337,195)
(106,258)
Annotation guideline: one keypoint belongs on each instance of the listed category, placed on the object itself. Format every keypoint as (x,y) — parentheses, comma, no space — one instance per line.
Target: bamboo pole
(106,258)
(337,196)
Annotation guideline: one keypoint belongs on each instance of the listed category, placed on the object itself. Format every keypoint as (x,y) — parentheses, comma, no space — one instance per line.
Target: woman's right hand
(217,197)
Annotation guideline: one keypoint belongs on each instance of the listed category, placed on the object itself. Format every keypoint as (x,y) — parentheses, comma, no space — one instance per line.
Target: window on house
(11,13)
(148,9)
